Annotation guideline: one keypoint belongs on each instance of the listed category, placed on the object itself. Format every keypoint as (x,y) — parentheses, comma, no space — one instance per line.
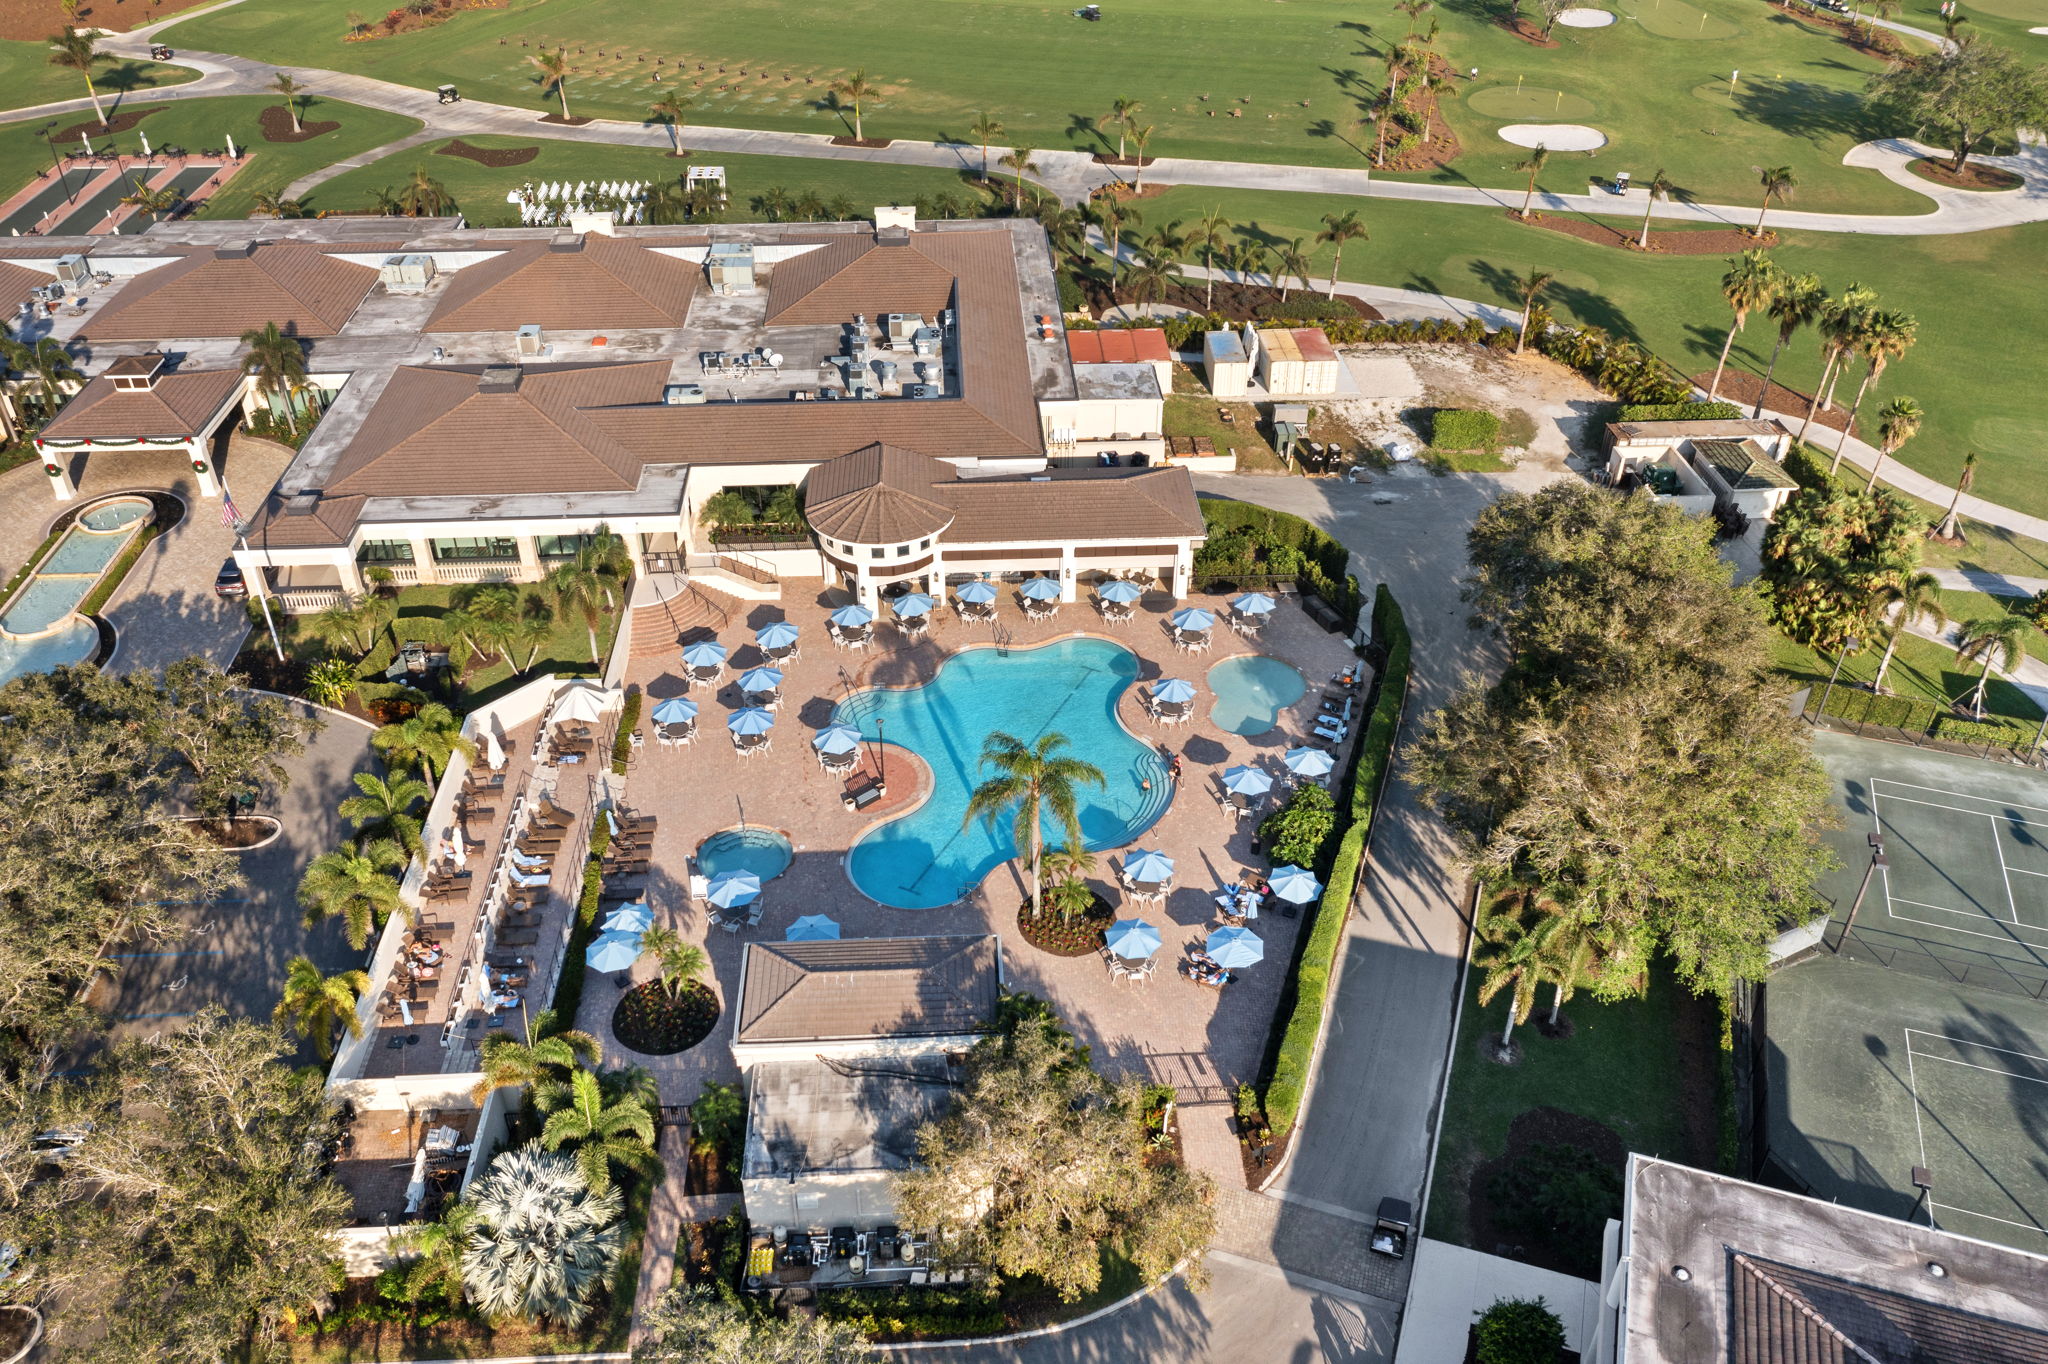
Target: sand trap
(1586,18)
(2038,30)
(1559,137)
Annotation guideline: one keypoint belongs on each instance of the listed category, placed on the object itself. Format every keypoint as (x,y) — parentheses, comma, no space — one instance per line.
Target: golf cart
(1092,13)
(449,95)
(159,53)
(1620,185)
(1390,1233)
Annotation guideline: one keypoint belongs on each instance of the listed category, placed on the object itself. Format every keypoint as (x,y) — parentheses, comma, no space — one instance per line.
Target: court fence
(1852,710)
(1947,963)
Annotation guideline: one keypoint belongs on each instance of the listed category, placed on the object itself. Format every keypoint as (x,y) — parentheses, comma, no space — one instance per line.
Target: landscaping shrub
(1182,332)
(1992,729)
(1072,298)
(1295,833)
(914,1312)
(569,985)
(1457,428)
(1305,310)
(1561,1196)
(1244,539)
(1519,1331)
(1808,467)
(629,720)
(1677,412)
(718,1124)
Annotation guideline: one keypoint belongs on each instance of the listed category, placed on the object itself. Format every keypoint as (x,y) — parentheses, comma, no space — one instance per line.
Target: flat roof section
(842,1116)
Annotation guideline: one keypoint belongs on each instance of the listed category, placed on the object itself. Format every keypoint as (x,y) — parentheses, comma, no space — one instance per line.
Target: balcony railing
(306,601)
(480,571)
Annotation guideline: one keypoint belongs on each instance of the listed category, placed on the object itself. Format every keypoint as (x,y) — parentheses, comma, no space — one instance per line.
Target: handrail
(724,616)
(731,563)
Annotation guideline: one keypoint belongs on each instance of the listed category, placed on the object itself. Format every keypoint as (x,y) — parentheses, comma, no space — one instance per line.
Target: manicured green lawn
(1963,605)
(1218,79)
(480,190)
(566,653)
(1190,411)
(201,123)
(26,77)
(1991,548)
(1922,670)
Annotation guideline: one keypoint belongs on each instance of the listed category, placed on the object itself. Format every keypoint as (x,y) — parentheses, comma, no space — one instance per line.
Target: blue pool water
(926,858)
(43,603)
(114,515)
(82,552)
(1251,690)
(763,852)
(72,644)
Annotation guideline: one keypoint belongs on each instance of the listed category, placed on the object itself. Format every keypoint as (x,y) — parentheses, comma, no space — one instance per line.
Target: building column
(1183,569)
(1067,573)
(530,570)
(423,559)
(868,594)
(57,465)
(351,573)
(935,574)
(201,464)
(631,539)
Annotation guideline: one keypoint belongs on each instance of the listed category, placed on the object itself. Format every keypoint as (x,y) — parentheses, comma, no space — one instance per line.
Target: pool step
(659,626)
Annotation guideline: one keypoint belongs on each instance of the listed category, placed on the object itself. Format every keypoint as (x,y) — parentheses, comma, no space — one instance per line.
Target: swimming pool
(763,852)
(926,858)
(40,628)
(1251,691)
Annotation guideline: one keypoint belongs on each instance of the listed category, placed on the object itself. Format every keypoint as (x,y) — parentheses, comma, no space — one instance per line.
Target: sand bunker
(1586,18)
(1559,137)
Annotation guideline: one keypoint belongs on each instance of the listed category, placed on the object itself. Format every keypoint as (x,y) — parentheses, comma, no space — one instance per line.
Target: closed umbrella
(677,710)
(1121,592)
(1254,603)
(760,679)
(1295,885)
(416,1188)
(494,752)
(1173,689)
(612,952)
(752,720)
(852,616)
(911,604)
(1132,938)
(705,653)
(632,918)
(977,592)
(1040,589)
(731,888)
(837,738)
(1308,762)
(1192,618)
(812,928)
(1246,781)
(1146,865)
(1234,947)
(777,634)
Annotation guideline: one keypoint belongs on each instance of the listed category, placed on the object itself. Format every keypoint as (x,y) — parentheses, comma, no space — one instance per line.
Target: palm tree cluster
(45,366)
(1529,941)
(1411,77)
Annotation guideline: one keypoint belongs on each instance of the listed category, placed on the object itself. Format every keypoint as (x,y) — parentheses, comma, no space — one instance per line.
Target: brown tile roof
(867,987)
(860,275)
(178,405)
(604,283)
(305,291)
(1118,346)
(877,496)
(17,282)
(325,521)
(433,431)
(1780,1314)
(1074,504)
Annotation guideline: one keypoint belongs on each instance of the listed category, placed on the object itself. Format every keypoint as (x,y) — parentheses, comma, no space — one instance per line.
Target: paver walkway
(670,1208)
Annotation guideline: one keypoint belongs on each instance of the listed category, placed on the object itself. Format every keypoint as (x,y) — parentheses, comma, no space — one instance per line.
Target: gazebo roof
(174,407)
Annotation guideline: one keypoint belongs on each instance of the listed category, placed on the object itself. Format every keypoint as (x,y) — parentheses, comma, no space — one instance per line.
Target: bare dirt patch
(862,141)
(119,123)
(1105,159)
(1740,387)
(489,156)
(277,126)
(1528,32)
(1713,241)
(35,20)
(1974,176)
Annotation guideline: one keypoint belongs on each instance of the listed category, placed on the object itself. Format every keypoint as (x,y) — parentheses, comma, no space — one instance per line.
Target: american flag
(230,514)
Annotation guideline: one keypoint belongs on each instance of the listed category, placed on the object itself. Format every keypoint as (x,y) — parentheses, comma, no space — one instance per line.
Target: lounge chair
(528,939)
(545,808)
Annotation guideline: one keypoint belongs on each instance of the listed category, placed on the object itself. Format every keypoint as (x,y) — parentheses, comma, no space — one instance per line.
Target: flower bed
(1058,936)
(652,1022)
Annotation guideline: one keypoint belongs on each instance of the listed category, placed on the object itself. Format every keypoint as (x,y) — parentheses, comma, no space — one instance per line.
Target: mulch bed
(236,833)
(652,1022)
(489,156)
(1712,241)
(1442,148)
(1870,42)
(862,141)
(1237,302)
(1740,386)
(1260,1156)
(576,122)
(1057,936)
(1528,32)
(705,1174)
(277,126)
(1974,175)
(1537,1127)
(1105,159)
(119,123)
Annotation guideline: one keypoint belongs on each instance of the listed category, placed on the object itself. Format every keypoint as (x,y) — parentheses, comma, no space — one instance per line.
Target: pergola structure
(141,403)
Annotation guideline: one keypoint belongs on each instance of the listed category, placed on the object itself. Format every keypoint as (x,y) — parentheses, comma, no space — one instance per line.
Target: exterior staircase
(669,611)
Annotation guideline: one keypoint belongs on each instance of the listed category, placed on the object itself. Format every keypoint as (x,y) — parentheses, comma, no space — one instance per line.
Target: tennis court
(1978,1109)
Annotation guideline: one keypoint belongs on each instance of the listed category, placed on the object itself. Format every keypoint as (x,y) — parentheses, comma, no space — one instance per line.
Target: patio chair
(699,888)
(755,911)
(729,924)
(838,762)
(661,736)
(916,627)
(857,637)
(705,675)
(546,811)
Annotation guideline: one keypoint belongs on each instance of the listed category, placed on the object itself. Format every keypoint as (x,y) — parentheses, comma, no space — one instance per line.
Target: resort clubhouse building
(485,399)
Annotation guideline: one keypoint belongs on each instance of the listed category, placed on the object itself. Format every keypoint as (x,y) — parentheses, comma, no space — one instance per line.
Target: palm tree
(1019,163)
(316,1004)
(272,204)
(1150,278)
(1779,182)
(1247,259)
(1508,955)
(385,808)
(1293,257)
(1798,301)
(1140,138)
(422,196)
(857,91)
(985,130)
(1066,229)
(1414,9)
(1123,113)
(356,885)
(1658,188)
(1905,600)
(1840,319)
(601,1134)
(278,364)
(331,682)
(290,89)
(554,75)
(681,962)
(1033,779)
(155,202)
(430,1253)
(344,621)
(1211,231)
(1952,525)
(428,736)
(541,1241)
(1338,230)
(1534,164)
(579,585)
(1995,641)
(79,51)
(669,109)
(1884,336)
(543,1061)
(1898,421)
(1112,216)
(47,367)
(1530,287)
(1751,282)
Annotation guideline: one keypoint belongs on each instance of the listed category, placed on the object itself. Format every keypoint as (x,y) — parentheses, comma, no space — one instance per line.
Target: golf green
(1677,19)
(1532,102)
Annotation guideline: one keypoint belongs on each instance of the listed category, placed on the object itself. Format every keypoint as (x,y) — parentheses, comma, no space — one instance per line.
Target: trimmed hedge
(1323,567)
(1678,412)
(1458,428)
(622,742)
(1808,467)
(1994,729)
(569,985)
(1925,718)
(1311,985)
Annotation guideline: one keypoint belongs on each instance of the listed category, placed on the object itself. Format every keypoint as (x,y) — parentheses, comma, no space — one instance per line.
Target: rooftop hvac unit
(406,273)
(888,374)
(683,395)
(922,391)
(74,269)
(529,340)
(730,266)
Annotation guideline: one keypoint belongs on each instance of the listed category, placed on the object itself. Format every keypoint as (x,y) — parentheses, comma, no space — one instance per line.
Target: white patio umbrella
(1295,885)
(456,847)
(1308,762)
(578,703)
(837,738)
(1246,781)
(812,928)
(731,888)
(416,1189)
(494,752)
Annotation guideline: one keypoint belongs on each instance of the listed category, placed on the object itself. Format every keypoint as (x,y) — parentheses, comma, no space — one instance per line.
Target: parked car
(229,581)
(1393,1227)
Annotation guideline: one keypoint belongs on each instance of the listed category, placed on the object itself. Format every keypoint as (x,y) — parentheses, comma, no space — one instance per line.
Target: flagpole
(234,518)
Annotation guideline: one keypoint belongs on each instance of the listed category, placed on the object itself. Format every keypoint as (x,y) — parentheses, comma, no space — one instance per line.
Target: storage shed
(1228,366)
(1295,361)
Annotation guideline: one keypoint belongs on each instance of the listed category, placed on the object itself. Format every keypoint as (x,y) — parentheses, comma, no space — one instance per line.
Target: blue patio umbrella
(1295,885)
(752,720)
(1120,592)
(613,952)
(1147,865)
(1132,938)
(837,738)
(705,653)
(1192,618)
(1173,689)
(978,592)
(911,604)
(1234,947)
(1040,589)
(853,614)
(812,928)
(629,918)
(776,634)
(760,679)
(731,888)
(1254,603)
(677,710)
(1246,781)
(1308,762)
